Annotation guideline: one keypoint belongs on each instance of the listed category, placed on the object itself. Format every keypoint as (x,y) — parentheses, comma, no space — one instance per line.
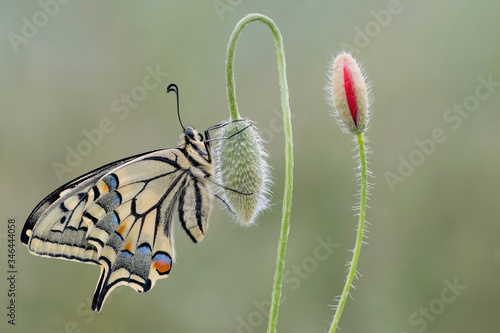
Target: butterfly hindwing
(61,230)
(134,239)
(139,253)
(193,217)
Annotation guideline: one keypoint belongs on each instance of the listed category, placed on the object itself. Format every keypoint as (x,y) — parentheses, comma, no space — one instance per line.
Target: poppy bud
(241,165)
(348,94)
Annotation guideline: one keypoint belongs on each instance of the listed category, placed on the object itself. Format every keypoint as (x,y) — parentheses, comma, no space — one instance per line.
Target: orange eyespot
(162,263)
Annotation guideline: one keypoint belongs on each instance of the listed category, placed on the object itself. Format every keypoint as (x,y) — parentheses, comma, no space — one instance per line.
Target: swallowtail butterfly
(119,216)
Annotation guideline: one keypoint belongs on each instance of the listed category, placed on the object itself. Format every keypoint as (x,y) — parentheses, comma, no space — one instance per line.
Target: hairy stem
(359,236)
(287,127)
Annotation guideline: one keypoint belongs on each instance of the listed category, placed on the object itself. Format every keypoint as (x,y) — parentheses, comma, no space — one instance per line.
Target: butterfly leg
(208,139)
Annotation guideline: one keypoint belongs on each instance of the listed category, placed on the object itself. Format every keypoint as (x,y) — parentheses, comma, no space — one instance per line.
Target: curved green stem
(359,236)
(287,127)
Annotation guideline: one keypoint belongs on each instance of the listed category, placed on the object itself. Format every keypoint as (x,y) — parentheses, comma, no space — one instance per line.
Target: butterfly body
(120,216)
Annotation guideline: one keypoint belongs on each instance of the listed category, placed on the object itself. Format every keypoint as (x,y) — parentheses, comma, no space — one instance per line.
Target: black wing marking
(56,194)
(194,208)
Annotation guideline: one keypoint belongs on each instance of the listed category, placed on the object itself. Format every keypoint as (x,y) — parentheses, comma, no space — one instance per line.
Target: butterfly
(119,216)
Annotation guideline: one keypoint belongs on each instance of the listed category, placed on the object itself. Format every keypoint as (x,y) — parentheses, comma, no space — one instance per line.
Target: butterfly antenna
(173,87)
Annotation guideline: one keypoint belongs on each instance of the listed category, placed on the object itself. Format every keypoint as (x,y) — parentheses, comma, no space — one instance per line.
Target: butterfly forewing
(120,216)
(44,205)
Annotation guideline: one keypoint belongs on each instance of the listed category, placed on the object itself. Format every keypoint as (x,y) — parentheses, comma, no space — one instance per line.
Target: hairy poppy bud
(241,166)
(348,94)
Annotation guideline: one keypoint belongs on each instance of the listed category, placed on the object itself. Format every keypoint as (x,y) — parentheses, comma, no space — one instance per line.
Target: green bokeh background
(441,223)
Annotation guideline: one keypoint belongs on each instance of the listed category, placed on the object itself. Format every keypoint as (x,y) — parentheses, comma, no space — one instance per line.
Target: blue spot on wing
(116,220)
(113,181)
(145,249)
(117,199)
(161,256)
(126,254)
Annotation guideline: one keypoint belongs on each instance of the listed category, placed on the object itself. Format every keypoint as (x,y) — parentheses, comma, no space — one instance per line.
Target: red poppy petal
(350,94)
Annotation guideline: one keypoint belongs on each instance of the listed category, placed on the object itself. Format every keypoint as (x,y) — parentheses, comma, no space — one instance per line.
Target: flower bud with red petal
(348,94)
